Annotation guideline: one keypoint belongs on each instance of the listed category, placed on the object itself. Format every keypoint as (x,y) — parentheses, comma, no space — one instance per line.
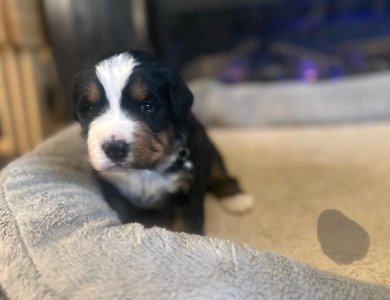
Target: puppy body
(152,156)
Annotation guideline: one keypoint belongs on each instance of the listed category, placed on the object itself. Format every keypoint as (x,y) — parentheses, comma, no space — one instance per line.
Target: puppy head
(130,107)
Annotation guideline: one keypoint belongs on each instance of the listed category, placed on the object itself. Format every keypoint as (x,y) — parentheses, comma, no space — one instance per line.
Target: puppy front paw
(238,203)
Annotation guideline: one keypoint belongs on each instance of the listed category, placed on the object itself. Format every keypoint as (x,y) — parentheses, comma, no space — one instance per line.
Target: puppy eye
(87,108)
(147,107)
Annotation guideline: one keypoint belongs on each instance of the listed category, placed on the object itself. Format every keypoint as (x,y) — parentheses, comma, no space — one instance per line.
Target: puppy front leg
(226,188)
(192,213)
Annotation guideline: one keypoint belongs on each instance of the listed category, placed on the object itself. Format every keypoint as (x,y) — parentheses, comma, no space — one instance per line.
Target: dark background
(332,37)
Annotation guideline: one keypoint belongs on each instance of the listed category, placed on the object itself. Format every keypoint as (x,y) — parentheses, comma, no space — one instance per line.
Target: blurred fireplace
(263,40)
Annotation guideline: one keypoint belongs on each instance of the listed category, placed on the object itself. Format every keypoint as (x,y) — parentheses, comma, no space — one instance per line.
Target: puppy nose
(116,150)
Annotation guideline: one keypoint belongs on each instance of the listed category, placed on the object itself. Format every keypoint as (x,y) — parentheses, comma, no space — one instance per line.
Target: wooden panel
(7,138)
(18,107)
(3,33)
(33,94)
(24,22)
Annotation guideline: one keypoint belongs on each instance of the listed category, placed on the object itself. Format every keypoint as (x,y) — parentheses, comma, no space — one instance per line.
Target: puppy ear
(181,97)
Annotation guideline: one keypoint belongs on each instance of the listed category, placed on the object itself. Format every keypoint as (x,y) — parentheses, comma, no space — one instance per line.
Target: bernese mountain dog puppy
(152,157)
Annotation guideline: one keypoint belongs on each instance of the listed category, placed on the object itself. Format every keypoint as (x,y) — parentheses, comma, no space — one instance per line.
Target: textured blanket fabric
(321,195)
(60,240)
(272,103)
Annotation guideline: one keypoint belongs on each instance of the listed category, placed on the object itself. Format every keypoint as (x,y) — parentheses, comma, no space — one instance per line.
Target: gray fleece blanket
(60,240)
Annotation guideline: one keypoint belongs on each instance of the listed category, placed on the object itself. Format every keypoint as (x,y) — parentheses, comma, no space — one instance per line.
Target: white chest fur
(145,188)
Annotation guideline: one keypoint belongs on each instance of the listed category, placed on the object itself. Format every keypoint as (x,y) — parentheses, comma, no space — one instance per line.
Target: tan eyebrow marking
(139,91)
(93,93)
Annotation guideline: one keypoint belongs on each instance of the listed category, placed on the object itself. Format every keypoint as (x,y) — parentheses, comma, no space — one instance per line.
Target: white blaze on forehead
(113,74)
(113,123)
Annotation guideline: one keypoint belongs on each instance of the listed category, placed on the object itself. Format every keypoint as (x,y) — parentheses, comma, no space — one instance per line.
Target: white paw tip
(239,203)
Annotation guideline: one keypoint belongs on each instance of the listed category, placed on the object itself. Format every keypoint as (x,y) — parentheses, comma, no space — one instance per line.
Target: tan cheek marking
(147,149)
(142,152)
(93,93)
(139,91)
